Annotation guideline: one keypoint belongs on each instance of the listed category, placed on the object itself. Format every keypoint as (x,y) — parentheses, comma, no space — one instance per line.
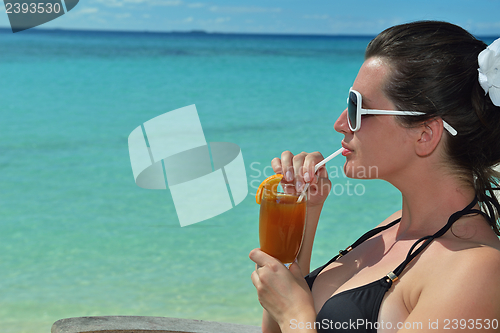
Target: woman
(434,265)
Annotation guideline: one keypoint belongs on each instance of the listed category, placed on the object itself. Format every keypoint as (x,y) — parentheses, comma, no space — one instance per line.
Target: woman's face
(382,147)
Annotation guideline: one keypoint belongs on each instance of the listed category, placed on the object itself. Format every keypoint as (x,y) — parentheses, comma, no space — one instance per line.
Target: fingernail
(289,176)
(299,186)
(307,178)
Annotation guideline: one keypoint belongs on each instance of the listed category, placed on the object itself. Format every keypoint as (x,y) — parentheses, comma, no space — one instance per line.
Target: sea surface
(78,237)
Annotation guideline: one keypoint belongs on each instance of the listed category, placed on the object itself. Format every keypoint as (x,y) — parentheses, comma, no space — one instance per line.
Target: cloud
(87,10)
(188,19)
(122,16)
(352,25)
(121,3)
(238,10)
(110,3)
(93,14)
(316,17)
(196,5)
(165,3)
(487,25)
(222,19)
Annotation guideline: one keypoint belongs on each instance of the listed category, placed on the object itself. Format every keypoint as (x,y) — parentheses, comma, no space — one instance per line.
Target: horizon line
(192,31)
(204,32)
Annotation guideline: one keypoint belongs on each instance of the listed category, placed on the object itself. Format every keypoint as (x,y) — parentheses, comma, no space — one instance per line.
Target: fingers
(304,168)
(255,279)
(276,165)
(310,162)
(284,166)
(322,172)
(260,258)
(263,263)
(299,169)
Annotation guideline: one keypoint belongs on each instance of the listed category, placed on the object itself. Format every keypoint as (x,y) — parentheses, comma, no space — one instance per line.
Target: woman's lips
(346,152)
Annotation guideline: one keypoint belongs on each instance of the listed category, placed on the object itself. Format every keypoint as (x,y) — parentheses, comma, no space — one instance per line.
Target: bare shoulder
(461,284)
(479,259)
(466,276)
(396,215)
(483,259)
(482,249)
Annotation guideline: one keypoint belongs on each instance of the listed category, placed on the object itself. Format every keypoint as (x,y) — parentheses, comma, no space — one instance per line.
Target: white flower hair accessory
(489,71)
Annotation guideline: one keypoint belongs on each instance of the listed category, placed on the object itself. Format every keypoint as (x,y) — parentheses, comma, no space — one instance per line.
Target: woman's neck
(429,201)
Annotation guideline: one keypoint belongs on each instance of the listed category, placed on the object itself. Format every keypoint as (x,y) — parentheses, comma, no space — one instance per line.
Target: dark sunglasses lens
(352,107)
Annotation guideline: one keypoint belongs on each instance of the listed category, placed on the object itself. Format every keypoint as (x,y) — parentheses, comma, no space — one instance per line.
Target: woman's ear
(430,134)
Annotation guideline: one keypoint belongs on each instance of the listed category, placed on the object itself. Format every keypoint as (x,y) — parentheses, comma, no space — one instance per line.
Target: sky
(331,17)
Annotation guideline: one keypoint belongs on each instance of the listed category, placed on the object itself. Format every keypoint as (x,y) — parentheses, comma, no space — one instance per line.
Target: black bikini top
(356,310)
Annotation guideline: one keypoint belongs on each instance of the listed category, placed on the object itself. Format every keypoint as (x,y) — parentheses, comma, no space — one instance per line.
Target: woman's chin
(354,171)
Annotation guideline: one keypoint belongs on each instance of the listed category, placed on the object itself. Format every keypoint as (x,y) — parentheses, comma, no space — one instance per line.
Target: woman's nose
(341,124)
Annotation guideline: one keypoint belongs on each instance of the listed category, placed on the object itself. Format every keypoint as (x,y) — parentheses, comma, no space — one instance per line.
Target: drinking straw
(316,167)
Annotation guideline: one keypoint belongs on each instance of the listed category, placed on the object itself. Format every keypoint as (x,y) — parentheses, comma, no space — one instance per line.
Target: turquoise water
(79,238)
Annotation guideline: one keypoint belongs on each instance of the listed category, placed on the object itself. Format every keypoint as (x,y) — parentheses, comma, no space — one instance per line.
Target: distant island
(193,32)
(199,33)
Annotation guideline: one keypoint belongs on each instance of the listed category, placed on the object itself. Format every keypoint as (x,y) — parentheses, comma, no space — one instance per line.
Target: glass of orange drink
(282,219)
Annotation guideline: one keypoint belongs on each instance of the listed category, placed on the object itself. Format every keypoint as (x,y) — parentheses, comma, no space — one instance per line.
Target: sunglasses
(355,111)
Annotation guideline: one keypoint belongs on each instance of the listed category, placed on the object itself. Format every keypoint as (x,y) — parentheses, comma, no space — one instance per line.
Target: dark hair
(434,69)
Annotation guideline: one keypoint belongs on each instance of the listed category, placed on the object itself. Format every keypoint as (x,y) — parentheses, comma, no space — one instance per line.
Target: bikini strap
(425,241)
(367,236)
(361,239)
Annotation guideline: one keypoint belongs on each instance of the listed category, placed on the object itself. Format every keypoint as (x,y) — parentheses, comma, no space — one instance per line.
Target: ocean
(79,238)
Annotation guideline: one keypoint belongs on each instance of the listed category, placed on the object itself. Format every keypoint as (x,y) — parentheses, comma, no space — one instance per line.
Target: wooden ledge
(139,324)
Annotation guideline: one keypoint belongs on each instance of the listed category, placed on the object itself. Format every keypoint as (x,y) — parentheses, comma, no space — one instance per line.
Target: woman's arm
(304,257)
(465,296)
(283,293)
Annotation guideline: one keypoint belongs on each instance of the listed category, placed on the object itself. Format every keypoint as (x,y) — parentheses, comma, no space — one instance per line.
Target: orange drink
(281,224)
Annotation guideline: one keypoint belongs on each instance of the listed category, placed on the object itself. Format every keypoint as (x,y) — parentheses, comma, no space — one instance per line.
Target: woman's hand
(299,170)
(282,292)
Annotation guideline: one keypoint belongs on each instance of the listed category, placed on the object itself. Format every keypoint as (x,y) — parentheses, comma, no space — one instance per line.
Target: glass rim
(281,191)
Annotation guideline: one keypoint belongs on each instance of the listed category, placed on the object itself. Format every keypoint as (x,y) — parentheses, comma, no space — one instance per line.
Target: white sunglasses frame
(360,111)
